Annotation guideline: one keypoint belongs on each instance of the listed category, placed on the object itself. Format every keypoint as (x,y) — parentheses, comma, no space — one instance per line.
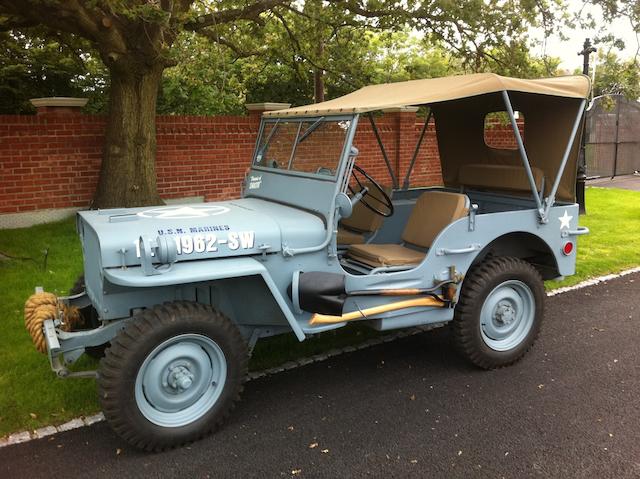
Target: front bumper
(64,348)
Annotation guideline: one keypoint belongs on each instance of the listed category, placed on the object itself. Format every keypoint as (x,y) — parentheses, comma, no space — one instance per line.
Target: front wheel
(499,312)
(172,375)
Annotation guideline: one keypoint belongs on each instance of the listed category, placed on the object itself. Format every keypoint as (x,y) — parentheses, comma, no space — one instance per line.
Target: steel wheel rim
(507,315)
(180,380)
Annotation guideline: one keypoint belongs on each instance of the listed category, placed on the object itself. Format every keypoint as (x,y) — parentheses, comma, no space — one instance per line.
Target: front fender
(201,271)
(186,272)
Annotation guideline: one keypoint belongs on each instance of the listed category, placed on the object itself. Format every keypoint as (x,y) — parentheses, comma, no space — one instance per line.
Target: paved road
(412,408)
(627,182)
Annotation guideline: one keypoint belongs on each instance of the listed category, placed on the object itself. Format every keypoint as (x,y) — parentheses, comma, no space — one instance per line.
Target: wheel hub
(505,313)
(180,378)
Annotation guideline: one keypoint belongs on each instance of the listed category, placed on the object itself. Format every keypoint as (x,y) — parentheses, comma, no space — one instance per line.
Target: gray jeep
(175,297)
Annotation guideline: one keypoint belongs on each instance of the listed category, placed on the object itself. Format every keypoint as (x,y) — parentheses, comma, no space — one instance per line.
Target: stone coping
(59,101)
(267,106)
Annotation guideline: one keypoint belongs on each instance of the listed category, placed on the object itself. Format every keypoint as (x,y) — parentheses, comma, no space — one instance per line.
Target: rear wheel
(499,312)
(172,375)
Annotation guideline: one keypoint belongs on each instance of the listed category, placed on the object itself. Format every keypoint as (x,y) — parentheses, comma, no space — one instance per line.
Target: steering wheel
(386,206)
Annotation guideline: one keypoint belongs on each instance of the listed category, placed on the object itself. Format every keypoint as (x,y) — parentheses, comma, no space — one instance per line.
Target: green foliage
(613,74)
(40,66)
(355,58)
(617,76)
(32,68)
(208,80)
(383,57)
(626,9)
(205,80)
(514,59)
(263,51)
(94,83)
(276,81)
(28,387)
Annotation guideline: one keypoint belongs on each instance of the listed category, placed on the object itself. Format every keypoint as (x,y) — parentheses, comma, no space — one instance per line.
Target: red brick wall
(48,160)
(500,135)
(52,159)
(204,156)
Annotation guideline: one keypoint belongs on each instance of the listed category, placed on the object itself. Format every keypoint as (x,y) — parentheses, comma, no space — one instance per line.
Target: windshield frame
(316,119)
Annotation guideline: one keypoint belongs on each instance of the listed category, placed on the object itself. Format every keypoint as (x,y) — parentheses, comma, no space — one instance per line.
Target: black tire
(89,320)
(119,369)
(469,335)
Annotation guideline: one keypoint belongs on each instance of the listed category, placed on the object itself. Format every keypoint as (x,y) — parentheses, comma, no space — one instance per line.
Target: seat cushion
(434,211)
(349,237)
(377,255)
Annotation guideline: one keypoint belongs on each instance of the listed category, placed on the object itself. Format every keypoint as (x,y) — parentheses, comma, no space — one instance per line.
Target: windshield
(305,145)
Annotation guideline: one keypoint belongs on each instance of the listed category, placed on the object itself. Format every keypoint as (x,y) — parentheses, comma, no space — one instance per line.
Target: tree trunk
(128,173)
(318,77)
(318,85)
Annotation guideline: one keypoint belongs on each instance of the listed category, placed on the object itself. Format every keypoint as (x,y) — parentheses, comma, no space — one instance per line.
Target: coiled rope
(42,306)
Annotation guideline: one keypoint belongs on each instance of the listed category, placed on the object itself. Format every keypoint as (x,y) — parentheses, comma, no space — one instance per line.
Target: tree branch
(65,15)
(250,12)
(239,52)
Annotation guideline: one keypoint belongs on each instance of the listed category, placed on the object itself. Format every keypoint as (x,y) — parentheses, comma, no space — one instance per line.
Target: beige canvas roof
(436,90)
(548,122)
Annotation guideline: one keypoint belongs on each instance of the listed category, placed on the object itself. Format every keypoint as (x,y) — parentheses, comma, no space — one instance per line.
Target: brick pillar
(404,120)
(58,105)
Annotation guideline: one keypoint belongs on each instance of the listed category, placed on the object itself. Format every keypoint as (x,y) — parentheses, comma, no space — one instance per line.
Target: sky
(567,50)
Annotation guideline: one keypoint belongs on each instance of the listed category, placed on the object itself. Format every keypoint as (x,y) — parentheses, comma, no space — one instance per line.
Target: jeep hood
(224,229)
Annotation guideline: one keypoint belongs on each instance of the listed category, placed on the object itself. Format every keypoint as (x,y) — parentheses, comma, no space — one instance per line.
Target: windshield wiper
(266,143)
(310,130)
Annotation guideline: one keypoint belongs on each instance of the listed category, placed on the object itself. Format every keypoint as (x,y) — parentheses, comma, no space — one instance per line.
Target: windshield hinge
(287,251)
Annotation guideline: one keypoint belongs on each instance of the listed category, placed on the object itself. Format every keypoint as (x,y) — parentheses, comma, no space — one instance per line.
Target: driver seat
(363,221)
(433,211)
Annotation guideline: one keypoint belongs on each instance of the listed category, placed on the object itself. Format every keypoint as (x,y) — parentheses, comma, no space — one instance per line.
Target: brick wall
(500,135)
(204,156)
(52,159)
(48,160)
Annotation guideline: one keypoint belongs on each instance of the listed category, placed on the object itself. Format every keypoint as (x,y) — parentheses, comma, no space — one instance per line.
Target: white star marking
(565,220)
(184,212)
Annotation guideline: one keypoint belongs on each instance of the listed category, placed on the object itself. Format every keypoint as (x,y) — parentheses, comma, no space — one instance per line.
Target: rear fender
(526,246)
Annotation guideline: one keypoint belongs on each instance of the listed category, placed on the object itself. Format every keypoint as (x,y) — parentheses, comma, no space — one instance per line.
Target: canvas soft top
(436,90)
(552,108)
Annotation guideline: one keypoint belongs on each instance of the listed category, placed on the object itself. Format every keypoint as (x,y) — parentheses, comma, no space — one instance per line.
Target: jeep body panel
(458,245)
(241,227)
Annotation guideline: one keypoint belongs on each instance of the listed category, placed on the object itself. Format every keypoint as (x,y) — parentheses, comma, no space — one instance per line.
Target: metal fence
(613,137)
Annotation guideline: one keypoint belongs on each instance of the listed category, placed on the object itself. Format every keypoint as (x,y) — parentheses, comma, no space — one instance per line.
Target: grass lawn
(613,244)
(31,395)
